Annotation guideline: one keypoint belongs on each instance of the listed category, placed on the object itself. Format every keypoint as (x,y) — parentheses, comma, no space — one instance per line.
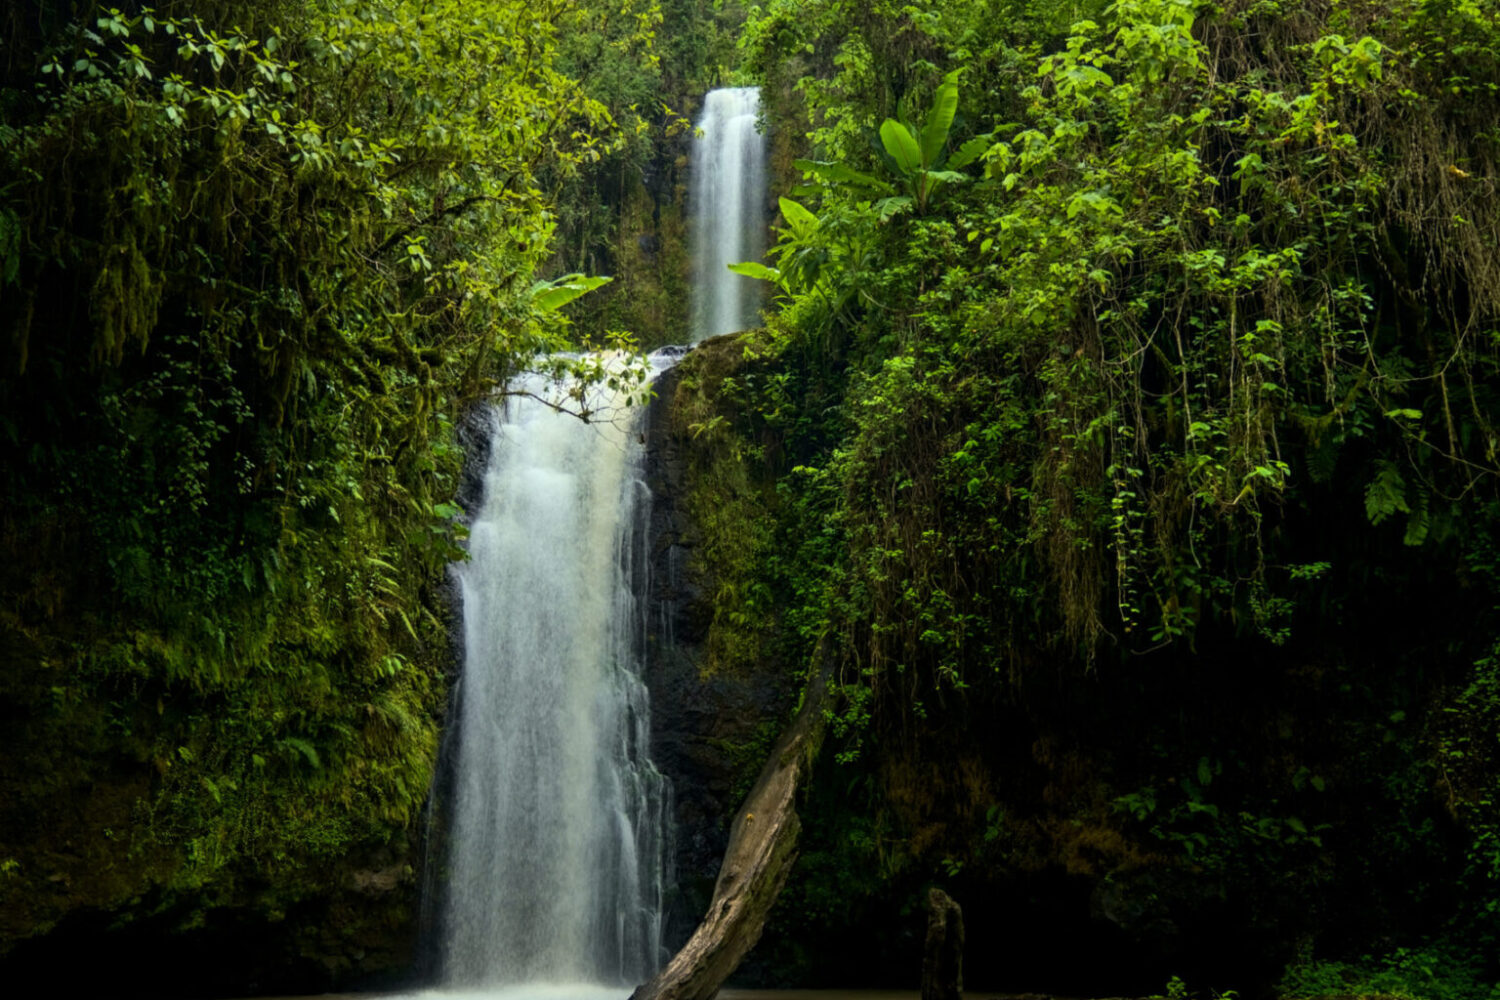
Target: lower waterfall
(556,848)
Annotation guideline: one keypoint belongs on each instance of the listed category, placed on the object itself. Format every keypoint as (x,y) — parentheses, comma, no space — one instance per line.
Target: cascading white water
(728,190)
(557,842)
(556,856)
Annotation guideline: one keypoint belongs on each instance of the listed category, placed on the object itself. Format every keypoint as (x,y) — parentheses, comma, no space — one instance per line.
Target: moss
(648,259)
(731,501)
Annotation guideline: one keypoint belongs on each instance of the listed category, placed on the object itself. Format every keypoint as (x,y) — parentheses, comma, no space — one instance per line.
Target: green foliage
(254,264)
(728,504)
(623,212)
(1104,253)
(1171,400)
(550,296)
(1404,974)
(1177,989)
(918,163)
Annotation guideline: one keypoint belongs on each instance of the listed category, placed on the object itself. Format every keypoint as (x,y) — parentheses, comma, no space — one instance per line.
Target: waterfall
(558,821)
(728,185)
(556,845)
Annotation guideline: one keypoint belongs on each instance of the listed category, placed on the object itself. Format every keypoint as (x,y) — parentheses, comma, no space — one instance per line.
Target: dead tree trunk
(762,847)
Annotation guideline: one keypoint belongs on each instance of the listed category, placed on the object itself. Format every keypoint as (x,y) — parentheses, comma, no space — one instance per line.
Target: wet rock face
(700,725)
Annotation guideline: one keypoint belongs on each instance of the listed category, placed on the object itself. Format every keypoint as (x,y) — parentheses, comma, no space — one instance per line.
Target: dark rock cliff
(708,728)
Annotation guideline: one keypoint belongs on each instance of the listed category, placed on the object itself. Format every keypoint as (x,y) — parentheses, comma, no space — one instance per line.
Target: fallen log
(762,847)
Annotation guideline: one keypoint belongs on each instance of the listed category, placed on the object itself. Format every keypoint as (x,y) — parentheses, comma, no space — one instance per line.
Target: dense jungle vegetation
(255,261)
(1123,430)
(1126,423)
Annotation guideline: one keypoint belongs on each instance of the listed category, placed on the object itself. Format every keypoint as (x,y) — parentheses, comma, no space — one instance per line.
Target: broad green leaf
(549,296)
(799,218)
(970,151)
(901,146)
(751,269)
(888,207)
(839,172)
(939,121)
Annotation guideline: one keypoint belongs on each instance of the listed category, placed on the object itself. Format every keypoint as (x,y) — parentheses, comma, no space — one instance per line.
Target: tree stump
(943,956)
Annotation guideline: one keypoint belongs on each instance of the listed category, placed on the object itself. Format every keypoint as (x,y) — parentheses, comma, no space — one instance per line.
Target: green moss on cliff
(731,502)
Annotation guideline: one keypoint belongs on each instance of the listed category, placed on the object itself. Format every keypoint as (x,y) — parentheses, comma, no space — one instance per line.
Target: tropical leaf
(803,222)
(939,120)
(889,207)
(549,296)
(948,176)
(903,149)
(751,269)
(840,173)
(971,151)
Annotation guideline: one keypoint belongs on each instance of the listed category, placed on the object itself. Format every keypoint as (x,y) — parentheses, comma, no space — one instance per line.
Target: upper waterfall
(728,184)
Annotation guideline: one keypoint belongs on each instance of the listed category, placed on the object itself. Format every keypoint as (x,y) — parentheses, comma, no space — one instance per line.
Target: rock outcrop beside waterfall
(711,728)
